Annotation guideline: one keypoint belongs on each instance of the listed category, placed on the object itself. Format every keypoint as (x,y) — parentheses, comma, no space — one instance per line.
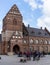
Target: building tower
(12,30)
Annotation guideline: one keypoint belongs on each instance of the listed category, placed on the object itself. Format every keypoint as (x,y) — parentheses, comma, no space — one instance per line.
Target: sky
(36,13)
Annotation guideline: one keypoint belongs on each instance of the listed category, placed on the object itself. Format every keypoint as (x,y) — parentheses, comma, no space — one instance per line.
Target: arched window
(45,42)
(41,41)
(31,41)
(19,37)
(16,36)
(16,33)
(25,41)
(36,41)
(13,36)
(49,41)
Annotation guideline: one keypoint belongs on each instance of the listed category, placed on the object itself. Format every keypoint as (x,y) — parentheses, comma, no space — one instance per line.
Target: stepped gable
(13,11)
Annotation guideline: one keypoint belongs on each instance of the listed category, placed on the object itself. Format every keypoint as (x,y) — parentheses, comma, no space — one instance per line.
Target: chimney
(28,25)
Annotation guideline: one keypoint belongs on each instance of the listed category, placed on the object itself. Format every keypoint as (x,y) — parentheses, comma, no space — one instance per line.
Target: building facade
(15,36)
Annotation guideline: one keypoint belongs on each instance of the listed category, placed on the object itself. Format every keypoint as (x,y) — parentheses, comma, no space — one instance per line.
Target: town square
(25,32)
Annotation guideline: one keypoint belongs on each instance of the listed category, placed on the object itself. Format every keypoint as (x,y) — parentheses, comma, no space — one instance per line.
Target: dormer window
(39,33)
(45,33)
(32,32)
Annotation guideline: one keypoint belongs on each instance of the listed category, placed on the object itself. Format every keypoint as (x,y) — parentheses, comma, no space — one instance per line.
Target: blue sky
(36,13)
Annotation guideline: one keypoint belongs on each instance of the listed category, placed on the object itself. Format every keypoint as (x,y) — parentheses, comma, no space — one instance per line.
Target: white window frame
(46,41)
(36,41)
(25,41)
(49,41)
(31,41)
(41,41)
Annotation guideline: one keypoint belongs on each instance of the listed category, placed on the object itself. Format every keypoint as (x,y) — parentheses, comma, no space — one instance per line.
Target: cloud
(46,7)
(27,21)
(44,20)
(33,4)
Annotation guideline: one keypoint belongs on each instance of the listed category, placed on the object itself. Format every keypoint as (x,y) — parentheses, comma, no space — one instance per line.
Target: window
(45,33)
(45,41)
(16,36)
(31,41)
(15,21)
(36,41)
(16,33)
(13,36)
(24,41)
(14,12)
(39,33)
(19,37)
(49,42)
(41,41)
(8,18)
(32,32)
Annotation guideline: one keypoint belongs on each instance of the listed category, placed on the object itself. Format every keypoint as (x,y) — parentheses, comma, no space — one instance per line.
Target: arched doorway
(16,49)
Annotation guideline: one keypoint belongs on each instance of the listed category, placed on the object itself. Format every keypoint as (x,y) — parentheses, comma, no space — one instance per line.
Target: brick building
(15,36)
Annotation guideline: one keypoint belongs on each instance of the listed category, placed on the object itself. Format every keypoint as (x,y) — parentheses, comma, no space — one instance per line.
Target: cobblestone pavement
(14,60)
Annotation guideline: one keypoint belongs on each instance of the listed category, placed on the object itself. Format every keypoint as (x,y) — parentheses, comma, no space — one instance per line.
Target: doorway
(16,49)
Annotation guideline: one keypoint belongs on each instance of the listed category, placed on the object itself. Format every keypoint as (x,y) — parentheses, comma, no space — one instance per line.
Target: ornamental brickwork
(17,37)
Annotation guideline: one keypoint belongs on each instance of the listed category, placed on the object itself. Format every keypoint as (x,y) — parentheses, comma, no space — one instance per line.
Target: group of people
(35,54)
